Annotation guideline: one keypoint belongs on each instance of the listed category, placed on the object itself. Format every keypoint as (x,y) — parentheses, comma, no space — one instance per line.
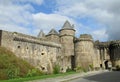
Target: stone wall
(96,58)
(7,39)
(115,53)
(41,54)
(104,53)
(53,38)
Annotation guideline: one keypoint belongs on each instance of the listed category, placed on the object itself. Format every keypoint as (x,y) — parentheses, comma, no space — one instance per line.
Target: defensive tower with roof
(41,34)
(53,36)
(67,34)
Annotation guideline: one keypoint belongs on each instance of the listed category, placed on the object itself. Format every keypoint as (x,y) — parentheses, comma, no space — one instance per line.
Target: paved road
(103,77)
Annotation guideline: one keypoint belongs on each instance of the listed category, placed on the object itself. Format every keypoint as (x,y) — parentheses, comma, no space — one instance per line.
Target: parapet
(32,39)
(102,44)
(115,43)
(85,37)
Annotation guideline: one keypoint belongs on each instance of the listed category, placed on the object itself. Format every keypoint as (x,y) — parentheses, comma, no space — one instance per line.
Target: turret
(67,30)
(67,34)
(84,51)
(53,36)
(41,34)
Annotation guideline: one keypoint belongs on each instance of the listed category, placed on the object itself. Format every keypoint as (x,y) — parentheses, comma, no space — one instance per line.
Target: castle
(63,49)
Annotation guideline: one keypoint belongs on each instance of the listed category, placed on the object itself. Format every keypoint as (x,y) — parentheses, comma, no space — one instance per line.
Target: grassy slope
(8,61)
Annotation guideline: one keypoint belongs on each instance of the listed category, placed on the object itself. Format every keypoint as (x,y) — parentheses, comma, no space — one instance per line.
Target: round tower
(67,34)
(84,50)
(53,36)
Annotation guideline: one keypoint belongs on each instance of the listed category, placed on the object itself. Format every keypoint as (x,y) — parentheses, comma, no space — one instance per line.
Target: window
(42,53)
(43,68)
(18,46)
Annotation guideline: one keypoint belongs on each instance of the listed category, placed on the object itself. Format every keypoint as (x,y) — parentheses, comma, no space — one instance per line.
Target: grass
(12,66)
(38,77)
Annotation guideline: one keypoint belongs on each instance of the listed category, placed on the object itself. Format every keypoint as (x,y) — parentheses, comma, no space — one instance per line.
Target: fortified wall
(63,49)
(40,53)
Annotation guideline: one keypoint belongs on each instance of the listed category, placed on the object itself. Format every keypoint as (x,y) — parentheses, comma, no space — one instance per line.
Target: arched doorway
(106,64)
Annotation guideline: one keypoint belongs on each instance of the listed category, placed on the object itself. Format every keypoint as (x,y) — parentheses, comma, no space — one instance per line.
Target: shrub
(84,69)
(69,70)
(34,72)
(91,67)
(56,69)
(13,72)
(79,69)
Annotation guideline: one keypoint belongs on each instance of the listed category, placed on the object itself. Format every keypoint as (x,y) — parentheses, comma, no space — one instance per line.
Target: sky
(100,18)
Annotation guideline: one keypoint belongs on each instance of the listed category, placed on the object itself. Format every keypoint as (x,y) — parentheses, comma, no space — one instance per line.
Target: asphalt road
(103,77)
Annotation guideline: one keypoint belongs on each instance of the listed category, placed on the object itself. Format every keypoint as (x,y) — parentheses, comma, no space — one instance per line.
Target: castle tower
(53,36)
(41,34)
(67,34)
(84,51)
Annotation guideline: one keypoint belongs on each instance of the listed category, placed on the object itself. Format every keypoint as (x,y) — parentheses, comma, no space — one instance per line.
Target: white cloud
(101,33)
(39,2)
(49,21)
(14,28)
(18,17)
(106,12)
(15,16)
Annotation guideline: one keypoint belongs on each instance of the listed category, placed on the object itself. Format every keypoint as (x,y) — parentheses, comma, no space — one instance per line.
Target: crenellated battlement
(102,44)
(37,41)
(115,43)
(84,37)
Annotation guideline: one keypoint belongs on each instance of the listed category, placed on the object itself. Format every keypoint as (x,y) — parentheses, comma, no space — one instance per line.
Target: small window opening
(42,53)
(18,46)
(62,69)
(43,68)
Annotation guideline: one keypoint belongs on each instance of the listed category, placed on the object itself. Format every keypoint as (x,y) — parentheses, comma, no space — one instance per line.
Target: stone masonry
(63,49)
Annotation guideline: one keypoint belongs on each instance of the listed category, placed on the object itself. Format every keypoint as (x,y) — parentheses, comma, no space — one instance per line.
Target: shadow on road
(105,77)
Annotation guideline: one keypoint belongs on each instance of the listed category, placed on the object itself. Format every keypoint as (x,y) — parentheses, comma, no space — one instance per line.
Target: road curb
(83,75)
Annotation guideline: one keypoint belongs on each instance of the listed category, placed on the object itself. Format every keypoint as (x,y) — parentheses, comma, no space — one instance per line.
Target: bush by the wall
(91,67)
(34,72)
(79,69)
(56,69)
(69,69)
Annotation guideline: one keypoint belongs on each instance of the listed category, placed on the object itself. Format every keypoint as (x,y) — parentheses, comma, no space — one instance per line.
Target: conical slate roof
(67,25)
(41,34)
(53,31)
